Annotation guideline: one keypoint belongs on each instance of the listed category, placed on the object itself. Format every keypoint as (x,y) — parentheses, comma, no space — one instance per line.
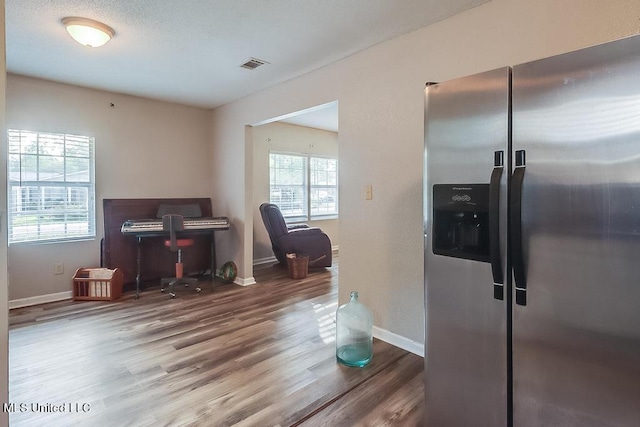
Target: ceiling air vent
(253,63)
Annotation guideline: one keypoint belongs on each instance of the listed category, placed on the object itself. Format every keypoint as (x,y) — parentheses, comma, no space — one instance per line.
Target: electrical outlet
(58,268)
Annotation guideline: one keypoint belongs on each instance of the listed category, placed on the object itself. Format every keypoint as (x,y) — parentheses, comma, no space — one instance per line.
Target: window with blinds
(304,187)
(288,184)
(51,194)
(323,173)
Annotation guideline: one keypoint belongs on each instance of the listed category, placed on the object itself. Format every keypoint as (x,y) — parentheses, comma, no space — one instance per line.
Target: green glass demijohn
(354,338)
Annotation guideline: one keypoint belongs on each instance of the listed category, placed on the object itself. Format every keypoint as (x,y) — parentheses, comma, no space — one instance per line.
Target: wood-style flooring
(261,355)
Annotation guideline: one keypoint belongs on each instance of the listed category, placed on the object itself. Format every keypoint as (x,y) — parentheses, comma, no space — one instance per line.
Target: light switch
(368,193)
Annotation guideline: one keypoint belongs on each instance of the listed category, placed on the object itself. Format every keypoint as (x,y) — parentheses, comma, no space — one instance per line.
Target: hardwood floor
(261,355)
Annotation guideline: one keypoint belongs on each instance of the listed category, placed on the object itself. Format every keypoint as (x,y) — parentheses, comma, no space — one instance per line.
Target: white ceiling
(190,51)
(323,117)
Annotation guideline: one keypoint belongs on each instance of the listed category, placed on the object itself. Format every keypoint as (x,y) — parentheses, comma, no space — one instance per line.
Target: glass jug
(354,338)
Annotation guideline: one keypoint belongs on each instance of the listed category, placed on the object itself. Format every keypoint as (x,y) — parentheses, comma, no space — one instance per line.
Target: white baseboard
(61,296)
(245,281)
(399,341)
(41,299)
(267,260)
(273,259)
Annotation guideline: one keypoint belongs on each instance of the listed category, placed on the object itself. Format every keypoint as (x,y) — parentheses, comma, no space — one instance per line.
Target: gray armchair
(300,239)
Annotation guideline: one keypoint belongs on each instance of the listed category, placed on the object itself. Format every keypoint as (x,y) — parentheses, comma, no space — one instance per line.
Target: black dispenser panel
(461,221)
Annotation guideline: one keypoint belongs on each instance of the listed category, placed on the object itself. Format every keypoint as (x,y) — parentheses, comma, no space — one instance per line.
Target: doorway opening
(312,135)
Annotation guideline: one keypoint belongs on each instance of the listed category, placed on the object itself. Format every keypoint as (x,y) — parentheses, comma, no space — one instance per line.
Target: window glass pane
(78,198)
(22,142)
(14,167)
(29,199)
(51,168)
(288,179)
(324,186)
(52,224)
(13,141)
(77,223)
(24,227)
(51,193)
(29,167)
(52,145)
(54,198)
(298,182)
(78,170)
(29,142)
(76,146)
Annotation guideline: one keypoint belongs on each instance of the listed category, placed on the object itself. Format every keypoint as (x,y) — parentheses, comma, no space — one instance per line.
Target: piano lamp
(88,32)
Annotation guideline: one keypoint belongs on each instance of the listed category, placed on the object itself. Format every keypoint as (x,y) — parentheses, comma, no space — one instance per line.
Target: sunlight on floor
(326,317)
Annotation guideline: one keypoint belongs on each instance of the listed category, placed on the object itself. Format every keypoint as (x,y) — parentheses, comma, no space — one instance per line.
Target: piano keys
(120,250)
(141,226)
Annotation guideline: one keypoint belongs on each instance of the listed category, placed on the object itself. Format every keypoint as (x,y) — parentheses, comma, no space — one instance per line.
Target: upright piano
(134,239)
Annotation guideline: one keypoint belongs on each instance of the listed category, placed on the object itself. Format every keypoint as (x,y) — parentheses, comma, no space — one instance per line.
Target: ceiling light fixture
(88,32)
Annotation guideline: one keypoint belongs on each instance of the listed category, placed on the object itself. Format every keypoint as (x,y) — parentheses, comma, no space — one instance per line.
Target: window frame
(329,215)
(308,215)
(47,208)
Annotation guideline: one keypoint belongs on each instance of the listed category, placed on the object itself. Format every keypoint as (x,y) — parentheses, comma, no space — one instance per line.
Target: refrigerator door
(466,123)
(576,342)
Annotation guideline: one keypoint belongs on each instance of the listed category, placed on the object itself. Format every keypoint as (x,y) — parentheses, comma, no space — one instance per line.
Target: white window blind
(304,187)
(324,186)
(51,187)
(288,179)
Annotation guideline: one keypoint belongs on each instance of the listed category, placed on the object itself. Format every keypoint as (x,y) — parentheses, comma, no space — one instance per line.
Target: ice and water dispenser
(461,221)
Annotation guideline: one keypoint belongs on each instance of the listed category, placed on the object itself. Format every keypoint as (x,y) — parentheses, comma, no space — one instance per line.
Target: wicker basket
(298,266)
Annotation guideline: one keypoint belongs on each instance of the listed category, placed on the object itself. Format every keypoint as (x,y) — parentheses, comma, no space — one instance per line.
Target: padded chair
(300,239)
(172,223)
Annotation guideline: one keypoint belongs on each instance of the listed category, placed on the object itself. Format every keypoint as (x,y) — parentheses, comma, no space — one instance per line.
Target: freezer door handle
(516,228)
(494,225)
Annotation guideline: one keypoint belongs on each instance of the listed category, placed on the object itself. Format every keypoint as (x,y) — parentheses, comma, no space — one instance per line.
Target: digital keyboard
(141,226)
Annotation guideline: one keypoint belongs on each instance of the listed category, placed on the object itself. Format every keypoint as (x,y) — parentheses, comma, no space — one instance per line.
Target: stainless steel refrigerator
(532,243)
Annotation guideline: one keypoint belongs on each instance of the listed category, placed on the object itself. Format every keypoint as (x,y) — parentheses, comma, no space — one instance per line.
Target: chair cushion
(181,243)
(276,226)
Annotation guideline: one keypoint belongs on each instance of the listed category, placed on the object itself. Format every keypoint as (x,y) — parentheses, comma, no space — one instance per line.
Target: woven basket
(298,266)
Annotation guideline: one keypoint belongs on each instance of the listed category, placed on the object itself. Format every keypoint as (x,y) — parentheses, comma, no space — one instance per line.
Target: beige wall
(285,137)
(380,91)
(144,149)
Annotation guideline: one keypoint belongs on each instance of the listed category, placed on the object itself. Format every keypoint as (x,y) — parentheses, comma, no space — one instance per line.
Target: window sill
(302,220)
(52,241)
(323,217)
